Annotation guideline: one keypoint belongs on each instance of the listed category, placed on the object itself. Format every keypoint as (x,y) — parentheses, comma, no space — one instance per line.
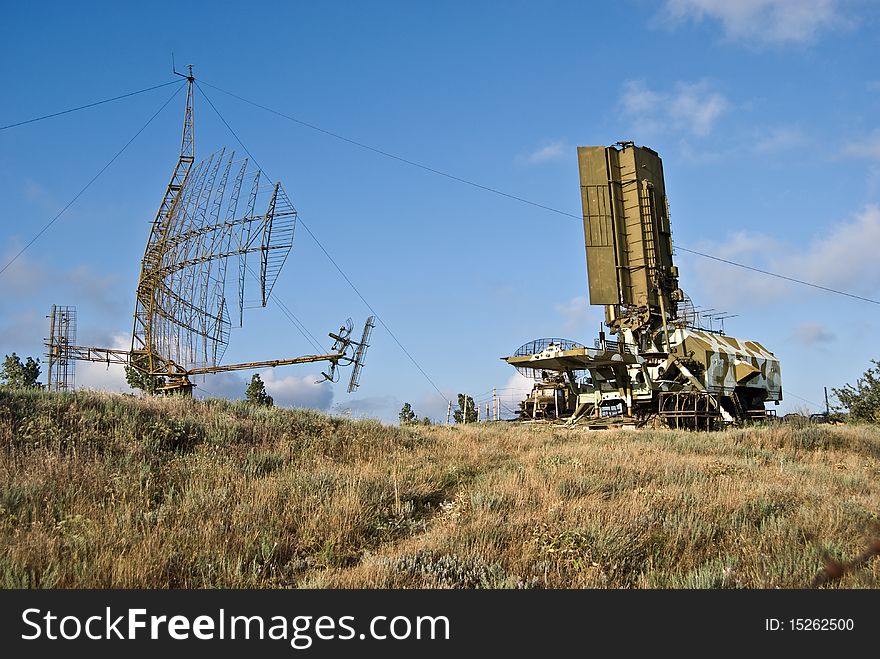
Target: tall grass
(99,490)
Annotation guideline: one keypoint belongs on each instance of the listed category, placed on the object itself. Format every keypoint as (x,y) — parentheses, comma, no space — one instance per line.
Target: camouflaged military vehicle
(664,368)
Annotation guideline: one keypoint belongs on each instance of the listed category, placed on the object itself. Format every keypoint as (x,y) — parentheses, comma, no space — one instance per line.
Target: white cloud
(286,390)
(730,288)
(23,277)
(220,385)
(638,99)
(384,408)
(20,330)
(780,138)
(548,151)
(866,148)
(696,106)
(761,22)
(691,107)
(433,406)
(514,390)
(39,196)
(104,291)
(104,377)
(575,313)
(811,333)
(842,258)
(298,391)
(698,155)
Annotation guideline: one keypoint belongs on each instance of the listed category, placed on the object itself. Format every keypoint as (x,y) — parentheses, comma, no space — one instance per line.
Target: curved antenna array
(184,271)
(540,345)
(181,320)
(687,313)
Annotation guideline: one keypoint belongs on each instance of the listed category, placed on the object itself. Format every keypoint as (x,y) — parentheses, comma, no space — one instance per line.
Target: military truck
(663,367)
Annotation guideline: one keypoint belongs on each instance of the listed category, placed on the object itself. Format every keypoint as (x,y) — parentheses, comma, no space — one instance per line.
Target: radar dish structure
(213,211)
(537,346)
(182,314)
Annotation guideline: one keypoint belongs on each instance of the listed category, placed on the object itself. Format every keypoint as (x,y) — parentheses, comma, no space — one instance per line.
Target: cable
(89,105)
(391,155)
(373,311)
(89,184)
(210,393)
(773,274)
(790,393)
(228,127)
(330,258)
(296,322)
(290,316)
(514,197)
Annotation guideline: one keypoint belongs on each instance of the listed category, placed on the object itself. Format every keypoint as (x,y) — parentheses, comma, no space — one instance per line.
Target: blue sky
(765,113)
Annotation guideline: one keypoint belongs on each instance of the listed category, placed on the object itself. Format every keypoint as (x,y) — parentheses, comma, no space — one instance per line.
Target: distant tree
(467,411)
(142,380)
(426,421)
(863,399)
(18,375)
(407,416)
(256,392)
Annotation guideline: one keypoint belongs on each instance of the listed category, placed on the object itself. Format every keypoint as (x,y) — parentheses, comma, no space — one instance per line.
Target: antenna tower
(61,375)
(360,354)
(181,317)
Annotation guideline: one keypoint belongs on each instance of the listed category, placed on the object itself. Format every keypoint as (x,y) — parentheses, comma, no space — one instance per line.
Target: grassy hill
(99,490)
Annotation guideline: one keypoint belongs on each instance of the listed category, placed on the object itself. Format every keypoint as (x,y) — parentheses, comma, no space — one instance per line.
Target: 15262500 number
(821,624)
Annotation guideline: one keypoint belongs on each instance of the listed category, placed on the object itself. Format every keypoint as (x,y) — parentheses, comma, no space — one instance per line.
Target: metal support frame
(691,410)
(61,373)
(181,318)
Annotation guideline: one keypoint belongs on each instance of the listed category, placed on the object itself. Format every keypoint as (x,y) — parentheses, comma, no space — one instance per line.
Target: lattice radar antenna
(219,210)
(538,346)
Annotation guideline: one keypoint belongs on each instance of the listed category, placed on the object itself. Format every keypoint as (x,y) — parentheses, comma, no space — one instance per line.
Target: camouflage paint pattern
(730,362)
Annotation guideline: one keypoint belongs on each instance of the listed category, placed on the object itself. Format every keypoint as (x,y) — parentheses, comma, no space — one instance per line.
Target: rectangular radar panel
(626,225)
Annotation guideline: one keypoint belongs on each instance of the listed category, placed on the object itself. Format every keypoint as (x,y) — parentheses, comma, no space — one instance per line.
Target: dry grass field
(104,491)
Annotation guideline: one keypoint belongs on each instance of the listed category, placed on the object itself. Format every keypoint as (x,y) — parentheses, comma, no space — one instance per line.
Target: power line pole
(494,405)
(448,411)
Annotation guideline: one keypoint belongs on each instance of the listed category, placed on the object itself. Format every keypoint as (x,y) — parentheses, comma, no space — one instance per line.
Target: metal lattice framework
(61,375)
(181,301)
(539,345)
(360,354)
(182,318)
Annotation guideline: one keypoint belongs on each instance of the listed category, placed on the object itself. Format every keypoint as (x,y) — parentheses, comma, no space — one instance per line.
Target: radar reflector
(538,346)
(207,226)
